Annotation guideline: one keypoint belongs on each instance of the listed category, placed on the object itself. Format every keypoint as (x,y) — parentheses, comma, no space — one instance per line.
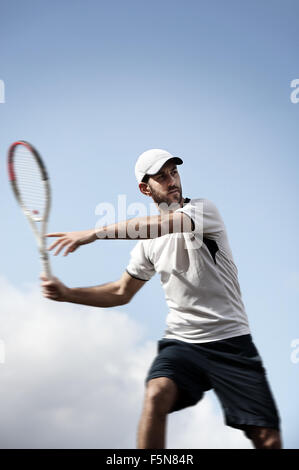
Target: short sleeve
(205,216)
(140,266)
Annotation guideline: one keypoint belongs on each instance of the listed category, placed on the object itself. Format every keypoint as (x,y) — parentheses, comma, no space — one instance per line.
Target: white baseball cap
(151,161)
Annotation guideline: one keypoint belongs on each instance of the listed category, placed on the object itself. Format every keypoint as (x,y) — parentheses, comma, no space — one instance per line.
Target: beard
(165,201)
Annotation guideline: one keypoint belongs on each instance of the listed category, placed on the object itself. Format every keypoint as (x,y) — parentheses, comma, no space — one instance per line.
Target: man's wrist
(93,235)
(100,233)
(68,294)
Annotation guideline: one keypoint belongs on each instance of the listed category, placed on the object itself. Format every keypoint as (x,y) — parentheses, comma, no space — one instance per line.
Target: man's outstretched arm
(133,229)
(111,294)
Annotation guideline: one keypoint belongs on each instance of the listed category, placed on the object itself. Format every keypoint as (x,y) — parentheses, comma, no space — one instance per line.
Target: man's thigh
(176,361)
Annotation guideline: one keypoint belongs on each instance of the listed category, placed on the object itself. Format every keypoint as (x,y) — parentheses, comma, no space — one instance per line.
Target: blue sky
(92,84)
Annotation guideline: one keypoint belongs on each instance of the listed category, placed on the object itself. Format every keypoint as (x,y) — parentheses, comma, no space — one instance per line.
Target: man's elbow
(127,287)
(123,296)
(125,299)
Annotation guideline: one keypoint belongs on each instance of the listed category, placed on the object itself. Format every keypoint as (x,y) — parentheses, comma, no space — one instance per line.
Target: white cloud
(73,378)
(200,427)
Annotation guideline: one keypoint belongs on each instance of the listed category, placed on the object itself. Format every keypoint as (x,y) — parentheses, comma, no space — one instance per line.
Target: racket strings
(29,181)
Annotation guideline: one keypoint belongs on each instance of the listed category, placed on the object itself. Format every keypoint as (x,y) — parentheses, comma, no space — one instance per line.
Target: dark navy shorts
(231,367)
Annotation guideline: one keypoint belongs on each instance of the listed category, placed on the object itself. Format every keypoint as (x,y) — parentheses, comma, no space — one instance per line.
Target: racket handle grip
(46,265)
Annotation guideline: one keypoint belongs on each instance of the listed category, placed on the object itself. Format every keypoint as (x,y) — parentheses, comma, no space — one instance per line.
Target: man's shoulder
(143,244)
(203,201)
(204,213)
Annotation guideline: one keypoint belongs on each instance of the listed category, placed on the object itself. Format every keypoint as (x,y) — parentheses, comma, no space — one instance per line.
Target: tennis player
(207,343)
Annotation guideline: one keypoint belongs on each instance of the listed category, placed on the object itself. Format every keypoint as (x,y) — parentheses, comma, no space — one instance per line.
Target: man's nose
(171,180)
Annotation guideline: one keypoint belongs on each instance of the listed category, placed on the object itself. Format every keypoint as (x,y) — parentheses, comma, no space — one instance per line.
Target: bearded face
(165,187)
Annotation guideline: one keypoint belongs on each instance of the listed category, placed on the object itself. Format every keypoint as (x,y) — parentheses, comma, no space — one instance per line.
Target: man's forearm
(106,295)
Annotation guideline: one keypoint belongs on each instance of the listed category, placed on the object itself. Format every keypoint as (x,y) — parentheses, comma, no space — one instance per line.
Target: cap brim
(158,165)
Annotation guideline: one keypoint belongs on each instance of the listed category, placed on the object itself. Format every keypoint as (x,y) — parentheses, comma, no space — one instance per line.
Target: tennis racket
(30,184)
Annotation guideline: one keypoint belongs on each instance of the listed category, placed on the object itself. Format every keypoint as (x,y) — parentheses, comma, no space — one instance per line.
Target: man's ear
(145,189)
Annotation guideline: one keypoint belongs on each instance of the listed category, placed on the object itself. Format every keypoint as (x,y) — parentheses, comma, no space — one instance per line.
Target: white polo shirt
(198,275)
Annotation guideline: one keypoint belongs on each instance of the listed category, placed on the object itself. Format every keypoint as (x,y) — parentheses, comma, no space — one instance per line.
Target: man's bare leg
(160,396)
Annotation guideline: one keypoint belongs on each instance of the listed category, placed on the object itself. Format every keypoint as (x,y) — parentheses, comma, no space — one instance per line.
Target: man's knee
(264,438)
(161,394)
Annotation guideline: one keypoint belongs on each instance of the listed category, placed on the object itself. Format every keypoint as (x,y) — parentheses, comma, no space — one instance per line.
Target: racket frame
(39,234)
